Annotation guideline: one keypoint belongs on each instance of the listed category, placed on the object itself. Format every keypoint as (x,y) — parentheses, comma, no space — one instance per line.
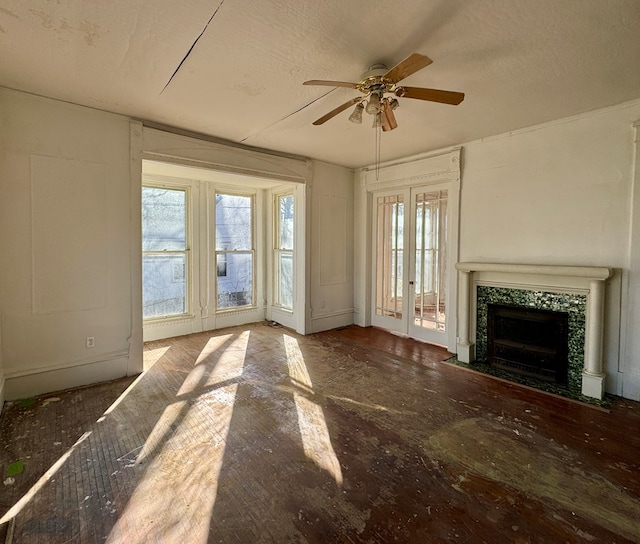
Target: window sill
(155,321)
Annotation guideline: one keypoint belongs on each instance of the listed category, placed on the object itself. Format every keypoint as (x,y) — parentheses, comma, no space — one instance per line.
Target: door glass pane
(430,271)
(390,247)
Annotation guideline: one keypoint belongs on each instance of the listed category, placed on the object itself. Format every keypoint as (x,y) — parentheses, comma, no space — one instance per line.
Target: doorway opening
(413,273)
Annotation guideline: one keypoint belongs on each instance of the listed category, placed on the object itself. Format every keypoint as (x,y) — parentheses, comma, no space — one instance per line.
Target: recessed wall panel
(69,231)
(333,243)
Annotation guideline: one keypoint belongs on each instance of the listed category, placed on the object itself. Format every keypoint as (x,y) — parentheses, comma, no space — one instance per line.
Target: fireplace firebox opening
(529,341)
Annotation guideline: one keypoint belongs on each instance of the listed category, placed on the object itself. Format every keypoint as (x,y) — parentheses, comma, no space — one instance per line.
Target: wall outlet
(91,342)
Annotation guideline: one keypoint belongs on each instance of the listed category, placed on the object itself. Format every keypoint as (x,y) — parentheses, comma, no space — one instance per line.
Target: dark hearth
(528,341)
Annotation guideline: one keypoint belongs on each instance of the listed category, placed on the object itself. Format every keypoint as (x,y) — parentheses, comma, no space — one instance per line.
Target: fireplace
(576,290)
(528,341)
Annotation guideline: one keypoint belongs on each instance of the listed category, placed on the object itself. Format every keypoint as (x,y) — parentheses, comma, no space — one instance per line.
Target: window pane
(233,222)
(431,240)
(236,288)
(286,222)
(163,219)
(286,280)
(164,288)
(389,266)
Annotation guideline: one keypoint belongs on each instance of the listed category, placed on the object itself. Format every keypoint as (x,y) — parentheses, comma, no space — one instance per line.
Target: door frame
(414,331)
(436,169)
(387,322)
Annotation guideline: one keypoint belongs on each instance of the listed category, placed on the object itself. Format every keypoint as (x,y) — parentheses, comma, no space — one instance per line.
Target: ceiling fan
(377,82)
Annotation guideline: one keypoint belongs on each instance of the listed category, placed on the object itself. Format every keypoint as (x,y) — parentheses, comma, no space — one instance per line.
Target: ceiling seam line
(286,116)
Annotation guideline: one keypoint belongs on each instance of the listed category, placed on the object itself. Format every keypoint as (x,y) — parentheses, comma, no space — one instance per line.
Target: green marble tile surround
(573,304)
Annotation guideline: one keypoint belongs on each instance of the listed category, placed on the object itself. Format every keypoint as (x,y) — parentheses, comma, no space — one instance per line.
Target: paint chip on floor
(15,468)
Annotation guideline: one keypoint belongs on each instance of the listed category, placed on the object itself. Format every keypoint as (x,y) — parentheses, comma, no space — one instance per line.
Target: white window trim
(154,182)
(277,251)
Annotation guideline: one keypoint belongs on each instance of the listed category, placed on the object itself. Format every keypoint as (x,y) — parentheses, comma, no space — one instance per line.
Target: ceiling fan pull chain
(378,129)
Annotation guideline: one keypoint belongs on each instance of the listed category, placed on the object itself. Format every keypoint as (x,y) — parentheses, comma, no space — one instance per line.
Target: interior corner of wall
(2,395)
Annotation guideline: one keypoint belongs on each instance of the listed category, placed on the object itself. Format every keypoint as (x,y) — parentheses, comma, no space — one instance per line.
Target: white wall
(66,238)
(554,194)
(330,224)
(559,193)
(2,380)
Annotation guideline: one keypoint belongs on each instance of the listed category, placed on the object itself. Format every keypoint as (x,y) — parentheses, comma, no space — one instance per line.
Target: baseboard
(2,393)
(333,320)
(630,386)
(38,382)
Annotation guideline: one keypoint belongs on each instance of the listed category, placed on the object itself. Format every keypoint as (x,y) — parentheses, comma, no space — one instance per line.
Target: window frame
(221,190)
(278,251)
(188,273)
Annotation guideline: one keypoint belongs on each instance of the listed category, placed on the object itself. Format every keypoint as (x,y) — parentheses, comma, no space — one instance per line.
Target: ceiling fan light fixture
(356,115)
(394,104)
(373,106)
(377,120)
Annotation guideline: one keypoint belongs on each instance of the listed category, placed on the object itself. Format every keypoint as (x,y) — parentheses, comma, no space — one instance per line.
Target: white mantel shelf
(586,272)
(587,279)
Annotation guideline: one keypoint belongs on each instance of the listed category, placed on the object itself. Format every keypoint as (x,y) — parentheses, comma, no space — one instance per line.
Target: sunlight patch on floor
(221,360)
(183,455)
(316,441)
(151,356)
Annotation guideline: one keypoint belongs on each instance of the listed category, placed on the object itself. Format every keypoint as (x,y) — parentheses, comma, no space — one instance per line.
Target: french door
(411,291)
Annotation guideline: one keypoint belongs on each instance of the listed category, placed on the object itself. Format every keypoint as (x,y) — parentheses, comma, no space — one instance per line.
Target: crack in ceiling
(286,116)
(192,46)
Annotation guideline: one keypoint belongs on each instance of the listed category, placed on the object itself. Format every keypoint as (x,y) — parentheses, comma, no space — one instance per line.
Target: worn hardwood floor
(255,434)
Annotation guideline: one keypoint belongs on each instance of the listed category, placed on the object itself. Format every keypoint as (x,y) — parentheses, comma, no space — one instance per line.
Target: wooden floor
(258,435)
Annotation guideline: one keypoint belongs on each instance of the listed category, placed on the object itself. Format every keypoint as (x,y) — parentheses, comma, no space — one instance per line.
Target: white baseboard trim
(2,392)
(631,386)
(331,320)
(20,385)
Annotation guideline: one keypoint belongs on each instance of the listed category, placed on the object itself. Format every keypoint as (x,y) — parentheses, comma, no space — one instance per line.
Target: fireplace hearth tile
(573,304)
(548,387)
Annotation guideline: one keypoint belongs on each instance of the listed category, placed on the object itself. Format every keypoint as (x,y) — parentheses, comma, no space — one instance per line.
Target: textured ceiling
(233,69)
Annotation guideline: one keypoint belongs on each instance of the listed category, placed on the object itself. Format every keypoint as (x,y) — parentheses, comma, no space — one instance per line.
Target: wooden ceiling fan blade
(408,66)
(338,110)
(432,95)
(388,119)
(331,83)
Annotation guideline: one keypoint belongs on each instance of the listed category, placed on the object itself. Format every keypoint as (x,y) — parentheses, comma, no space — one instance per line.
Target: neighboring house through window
(165,252)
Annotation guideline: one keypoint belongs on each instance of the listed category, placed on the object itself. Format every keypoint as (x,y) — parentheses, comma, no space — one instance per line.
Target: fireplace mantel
(562,279)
